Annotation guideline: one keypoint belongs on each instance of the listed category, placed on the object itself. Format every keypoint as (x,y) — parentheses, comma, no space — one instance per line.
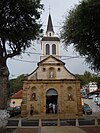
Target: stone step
(53,116)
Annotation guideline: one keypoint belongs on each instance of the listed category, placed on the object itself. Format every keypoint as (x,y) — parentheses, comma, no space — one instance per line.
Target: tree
(85,78)
(88,77)
(16,84)
(82,29)
(19,25)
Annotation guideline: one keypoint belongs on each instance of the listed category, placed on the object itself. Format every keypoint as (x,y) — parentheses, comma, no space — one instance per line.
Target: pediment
(51,60)
(51,65)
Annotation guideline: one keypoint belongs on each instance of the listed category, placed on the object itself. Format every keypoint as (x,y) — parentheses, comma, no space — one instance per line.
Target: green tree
(82,29)
(19,26)
(16,84)
(87,77)
(81,78)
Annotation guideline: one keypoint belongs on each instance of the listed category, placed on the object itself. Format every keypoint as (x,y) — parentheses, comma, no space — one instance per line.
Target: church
(51,89)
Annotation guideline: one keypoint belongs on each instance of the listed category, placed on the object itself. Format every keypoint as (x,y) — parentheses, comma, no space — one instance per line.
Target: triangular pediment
(51,60)
(53,64)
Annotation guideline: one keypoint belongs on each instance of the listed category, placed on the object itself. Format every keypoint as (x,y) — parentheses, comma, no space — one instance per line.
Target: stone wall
(69,99)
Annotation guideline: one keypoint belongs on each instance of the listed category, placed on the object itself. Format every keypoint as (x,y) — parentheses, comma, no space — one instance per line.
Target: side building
(51,83)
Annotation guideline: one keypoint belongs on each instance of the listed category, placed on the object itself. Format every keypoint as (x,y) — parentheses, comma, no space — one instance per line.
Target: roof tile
(17,95)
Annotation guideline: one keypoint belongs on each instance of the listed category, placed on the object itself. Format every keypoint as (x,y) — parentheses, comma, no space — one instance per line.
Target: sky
(58,10)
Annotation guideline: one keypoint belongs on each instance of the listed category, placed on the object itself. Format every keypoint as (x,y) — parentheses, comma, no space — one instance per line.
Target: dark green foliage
(19,25)
(82,29)
(87,77)
(16,84)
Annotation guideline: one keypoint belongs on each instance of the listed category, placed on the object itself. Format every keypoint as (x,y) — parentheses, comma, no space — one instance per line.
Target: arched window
(47,49)
(51,92)
(54,49)
(50,34)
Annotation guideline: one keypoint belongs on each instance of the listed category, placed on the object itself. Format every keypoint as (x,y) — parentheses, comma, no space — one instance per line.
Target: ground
(91,129)
(36,130)
(9,130)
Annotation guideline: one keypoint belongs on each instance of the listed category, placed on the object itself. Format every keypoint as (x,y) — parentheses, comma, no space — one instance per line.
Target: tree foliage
(19,25)
(88,77)
(82,29)
(16,84)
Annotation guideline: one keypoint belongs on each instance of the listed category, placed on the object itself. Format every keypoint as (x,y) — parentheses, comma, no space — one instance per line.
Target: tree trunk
(4,84)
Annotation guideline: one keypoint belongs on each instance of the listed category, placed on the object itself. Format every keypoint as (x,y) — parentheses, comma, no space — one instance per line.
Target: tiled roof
(17,95)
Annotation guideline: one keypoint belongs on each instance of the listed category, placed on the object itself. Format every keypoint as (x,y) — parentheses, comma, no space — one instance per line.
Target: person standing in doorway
(54,108)
(50,108)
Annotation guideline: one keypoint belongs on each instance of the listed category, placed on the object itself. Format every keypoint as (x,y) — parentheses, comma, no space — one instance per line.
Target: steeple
(50,42)
(49,26)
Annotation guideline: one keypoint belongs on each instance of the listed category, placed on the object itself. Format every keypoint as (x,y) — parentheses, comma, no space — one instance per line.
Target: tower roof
(49,26)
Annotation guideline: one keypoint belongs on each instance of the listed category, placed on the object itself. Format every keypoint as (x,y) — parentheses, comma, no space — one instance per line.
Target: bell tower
(50,42)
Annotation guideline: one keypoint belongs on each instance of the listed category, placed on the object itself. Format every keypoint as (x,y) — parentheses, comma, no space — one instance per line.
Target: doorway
(51,101)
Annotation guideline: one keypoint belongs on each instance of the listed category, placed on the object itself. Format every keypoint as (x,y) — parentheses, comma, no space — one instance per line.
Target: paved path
(50,129)
(26,130)
(91,129)
(62,129)
(56,129)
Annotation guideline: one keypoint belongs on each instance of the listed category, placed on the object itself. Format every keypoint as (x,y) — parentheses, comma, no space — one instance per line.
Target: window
(44,69)
(54,49)
(47,49)
(58,64)
(49,34)
(59,69)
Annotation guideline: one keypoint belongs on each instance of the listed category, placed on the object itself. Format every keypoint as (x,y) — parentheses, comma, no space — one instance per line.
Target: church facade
(51,88)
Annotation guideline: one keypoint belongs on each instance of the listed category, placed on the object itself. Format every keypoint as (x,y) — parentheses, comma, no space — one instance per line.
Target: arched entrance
(51,101)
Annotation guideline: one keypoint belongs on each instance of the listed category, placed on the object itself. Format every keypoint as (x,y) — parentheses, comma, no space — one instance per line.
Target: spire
(49,26)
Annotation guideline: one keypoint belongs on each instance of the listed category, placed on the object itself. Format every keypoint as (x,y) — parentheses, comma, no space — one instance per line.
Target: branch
(15,51)
(4,47)
(12,54)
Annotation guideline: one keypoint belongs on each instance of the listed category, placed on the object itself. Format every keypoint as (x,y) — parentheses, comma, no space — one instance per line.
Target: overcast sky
(58,9)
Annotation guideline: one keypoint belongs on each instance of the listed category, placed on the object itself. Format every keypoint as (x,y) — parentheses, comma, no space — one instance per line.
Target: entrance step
(53,116)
